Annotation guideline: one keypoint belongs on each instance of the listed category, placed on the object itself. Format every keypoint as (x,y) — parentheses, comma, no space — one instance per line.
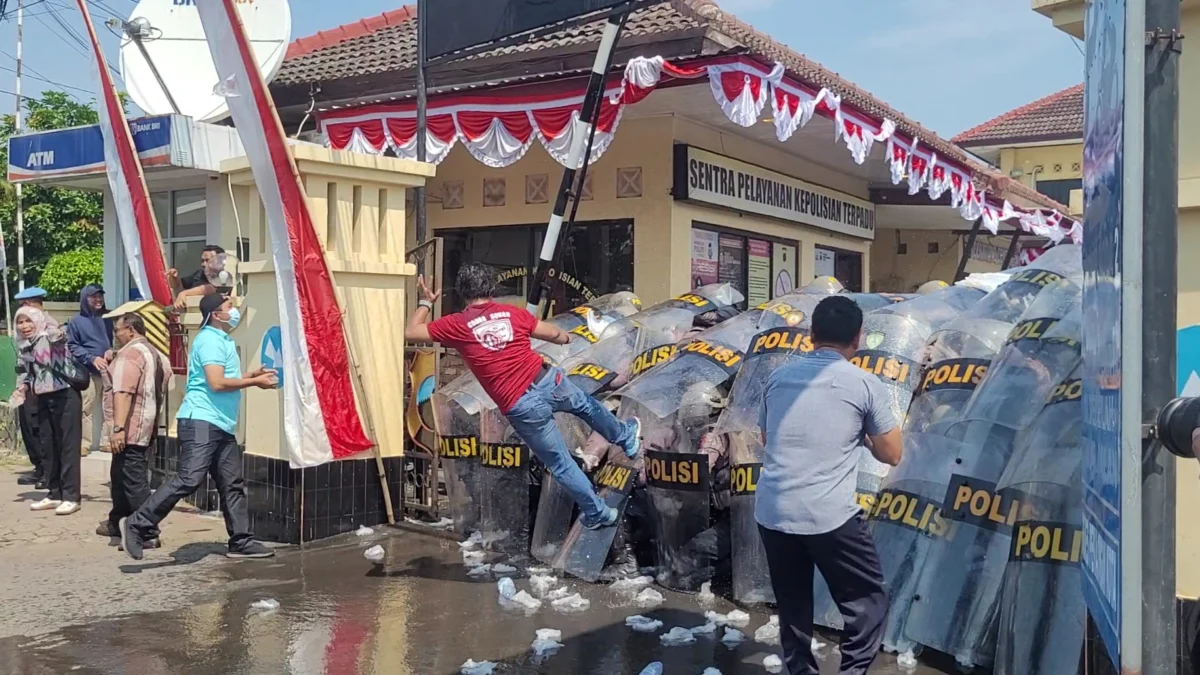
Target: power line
(48,81)
(77,41)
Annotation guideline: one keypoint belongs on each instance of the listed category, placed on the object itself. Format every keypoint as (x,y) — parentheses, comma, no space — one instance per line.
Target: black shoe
(131,541)
(29,479)
(252,549)
(106,529)
(42,485)
(152,543)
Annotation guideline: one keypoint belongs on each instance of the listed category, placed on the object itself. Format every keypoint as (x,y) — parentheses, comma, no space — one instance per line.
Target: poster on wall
(704,258)
(758,272)
(824,263)
(731,265)
(784,264)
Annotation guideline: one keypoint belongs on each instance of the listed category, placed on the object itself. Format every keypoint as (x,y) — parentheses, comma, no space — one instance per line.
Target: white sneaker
(66,508)
(45,505)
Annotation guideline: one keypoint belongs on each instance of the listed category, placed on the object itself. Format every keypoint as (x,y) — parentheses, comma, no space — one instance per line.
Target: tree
(56,220)
(66,273)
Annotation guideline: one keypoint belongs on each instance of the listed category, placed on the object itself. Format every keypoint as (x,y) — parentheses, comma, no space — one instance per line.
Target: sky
(947,64)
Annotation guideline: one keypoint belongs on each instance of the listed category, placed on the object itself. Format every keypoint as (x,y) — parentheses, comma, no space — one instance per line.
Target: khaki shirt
(141,371)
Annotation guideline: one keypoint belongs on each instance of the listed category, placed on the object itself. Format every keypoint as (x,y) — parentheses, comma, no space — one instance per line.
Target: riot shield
(677,402)
(957,595)
(507,471)
(628,347)
(460,406)
(586,323)
(597,371)
(1042,613)
(906,517)
(457,408)
(893,348)
(739,421)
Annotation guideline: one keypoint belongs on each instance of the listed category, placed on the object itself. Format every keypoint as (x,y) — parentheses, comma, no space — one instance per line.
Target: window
(1059,190)
(760,268)
(596,258)
(182,217)
(845,266)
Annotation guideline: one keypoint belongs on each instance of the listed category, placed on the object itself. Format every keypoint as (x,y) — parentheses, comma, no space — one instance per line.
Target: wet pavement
(417,614)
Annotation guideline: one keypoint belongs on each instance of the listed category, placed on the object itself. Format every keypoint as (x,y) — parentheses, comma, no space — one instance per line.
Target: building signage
(1111,507)
(709,178)
(79,151)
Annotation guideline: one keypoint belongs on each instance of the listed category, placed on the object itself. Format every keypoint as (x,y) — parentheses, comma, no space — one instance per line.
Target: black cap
(211,303)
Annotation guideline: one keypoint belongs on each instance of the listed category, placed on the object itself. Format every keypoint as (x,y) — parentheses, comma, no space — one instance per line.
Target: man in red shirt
(494,340)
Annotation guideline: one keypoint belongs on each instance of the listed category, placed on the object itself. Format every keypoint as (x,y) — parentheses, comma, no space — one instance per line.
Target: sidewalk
(59,572)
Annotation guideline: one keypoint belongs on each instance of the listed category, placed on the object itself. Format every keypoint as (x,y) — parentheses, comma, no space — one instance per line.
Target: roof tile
(388,44)
(348,51)
(1059,115)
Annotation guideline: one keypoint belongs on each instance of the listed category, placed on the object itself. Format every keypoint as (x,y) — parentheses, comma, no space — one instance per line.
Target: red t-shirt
(494,341)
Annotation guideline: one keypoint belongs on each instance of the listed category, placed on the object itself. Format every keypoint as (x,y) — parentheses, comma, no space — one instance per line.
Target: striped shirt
(141,371)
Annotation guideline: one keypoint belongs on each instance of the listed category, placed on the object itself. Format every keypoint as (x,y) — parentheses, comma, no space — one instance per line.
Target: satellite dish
(169,32)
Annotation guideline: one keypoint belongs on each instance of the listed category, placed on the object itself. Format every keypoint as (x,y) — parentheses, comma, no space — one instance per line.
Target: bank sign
(1108,439)
(79,151)
(709,178)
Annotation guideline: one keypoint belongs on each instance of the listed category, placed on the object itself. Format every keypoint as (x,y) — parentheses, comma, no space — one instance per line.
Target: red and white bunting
(742,89)
(499,129)
(1028,255)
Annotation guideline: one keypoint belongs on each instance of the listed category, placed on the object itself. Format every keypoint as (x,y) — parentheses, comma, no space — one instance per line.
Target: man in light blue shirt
(820,413)
(207,421)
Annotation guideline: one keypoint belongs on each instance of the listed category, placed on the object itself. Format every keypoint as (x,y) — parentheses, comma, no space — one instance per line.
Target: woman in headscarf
(45,368)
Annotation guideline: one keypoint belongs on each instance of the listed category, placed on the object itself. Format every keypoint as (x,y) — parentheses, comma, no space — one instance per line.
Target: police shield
(457,408)
(597,371)
(586,323)
(957,595)
(677,403)
(769,349)
(606,366)
(460,406)
(906,517)
(1042,613)
(739,423)
(507,472)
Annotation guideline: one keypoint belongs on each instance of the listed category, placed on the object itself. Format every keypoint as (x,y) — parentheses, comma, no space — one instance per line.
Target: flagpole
(20,226)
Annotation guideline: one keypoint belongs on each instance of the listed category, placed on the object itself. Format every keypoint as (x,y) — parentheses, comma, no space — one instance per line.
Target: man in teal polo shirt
(207,420)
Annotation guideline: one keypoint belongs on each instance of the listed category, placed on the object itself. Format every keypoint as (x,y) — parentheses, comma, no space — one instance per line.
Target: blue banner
(1103,175)
(79,151)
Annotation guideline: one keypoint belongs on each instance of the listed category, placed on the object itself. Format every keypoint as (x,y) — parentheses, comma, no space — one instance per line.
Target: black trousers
(203,449)
(27,414)
(60,421)
(129,474)
(847,559)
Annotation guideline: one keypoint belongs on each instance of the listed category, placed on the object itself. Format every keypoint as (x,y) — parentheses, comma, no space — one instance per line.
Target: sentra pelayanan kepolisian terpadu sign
(703,176)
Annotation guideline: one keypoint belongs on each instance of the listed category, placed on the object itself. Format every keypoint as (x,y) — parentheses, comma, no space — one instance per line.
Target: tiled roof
(1057,116)
(387,44)
(353,50)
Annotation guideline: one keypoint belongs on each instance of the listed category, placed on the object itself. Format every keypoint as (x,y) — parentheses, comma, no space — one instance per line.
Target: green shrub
(67,273)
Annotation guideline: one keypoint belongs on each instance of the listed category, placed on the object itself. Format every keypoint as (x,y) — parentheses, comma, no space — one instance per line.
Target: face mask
(235,317)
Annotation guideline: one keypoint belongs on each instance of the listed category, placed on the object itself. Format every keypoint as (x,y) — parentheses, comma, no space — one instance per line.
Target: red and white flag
(321,421)
(131,199)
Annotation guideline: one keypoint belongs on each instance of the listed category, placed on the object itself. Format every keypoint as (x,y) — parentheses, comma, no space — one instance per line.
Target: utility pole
(422,126)
(20,226)
(1162,45)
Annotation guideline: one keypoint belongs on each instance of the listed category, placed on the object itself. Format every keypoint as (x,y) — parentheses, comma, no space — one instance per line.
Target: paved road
(73,604)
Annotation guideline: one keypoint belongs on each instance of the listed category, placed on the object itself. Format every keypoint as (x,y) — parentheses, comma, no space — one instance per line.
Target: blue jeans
(533,420)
